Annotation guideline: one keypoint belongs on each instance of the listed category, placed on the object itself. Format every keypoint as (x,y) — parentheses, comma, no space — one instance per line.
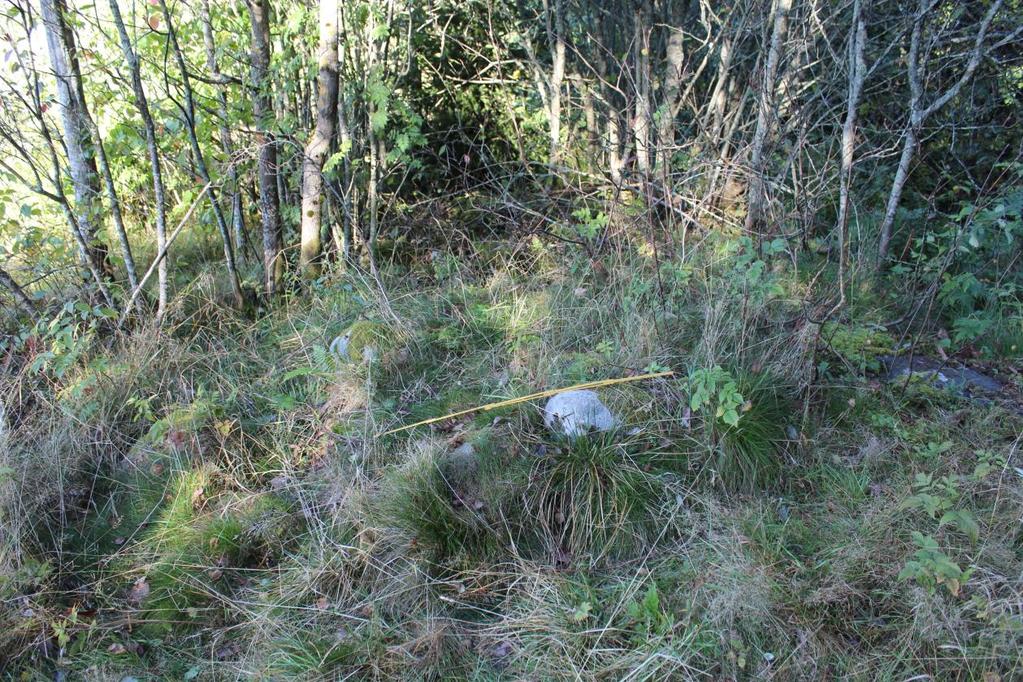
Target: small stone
(463,454)
(577,413)
(502,649)
(339,346)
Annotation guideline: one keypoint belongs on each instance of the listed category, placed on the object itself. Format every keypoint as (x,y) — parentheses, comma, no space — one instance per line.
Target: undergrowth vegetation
(227,498)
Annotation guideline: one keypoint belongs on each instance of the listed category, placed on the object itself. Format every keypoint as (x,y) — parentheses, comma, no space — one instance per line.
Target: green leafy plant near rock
(747,417)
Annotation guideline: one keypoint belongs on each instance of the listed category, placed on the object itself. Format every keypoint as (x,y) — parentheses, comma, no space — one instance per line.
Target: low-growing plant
(940,497)
(932,568)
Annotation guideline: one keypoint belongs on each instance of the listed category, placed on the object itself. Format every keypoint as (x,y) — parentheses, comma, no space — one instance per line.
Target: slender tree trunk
(765,118)
(719,95)
(857,73)
(348,214)
(19,294)
(374,156)
(556,42)
(318,145)
(592,133)
(159,196)
(77,137)
(641,126)
(188,111)
(672,83)
(95,268)
(262,109)
(613,129)
(918,113)
(237,213)
(115,206)
(111,189)
(909,143)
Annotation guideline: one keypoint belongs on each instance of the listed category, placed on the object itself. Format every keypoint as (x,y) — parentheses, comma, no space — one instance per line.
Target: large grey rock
(963,380)
(576,413)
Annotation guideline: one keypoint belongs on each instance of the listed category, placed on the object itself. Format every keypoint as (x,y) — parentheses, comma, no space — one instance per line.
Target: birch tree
(920,45)
(78,142)
(153,151)
(319,143)
(757,195)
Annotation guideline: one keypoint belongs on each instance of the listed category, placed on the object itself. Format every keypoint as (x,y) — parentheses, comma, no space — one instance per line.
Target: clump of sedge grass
(750,454)
(592,496)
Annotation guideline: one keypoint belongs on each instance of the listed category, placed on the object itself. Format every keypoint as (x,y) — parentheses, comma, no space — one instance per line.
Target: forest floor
(224,498)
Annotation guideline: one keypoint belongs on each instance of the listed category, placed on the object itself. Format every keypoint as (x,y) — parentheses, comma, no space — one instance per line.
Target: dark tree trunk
(262,109)
(19,294)
(188,110)
(237,213)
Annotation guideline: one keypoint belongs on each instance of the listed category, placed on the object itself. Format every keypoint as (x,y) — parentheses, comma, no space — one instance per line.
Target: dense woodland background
(242,242)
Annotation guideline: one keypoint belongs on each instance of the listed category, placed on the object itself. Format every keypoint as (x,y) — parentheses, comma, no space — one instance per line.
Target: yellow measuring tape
(531,396)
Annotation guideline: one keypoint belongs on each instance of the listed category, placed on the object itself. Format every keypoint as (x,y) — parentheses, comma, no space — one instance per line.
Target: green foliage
(648,616)
(965,247)
(589,223)
(68,335)
(941,496)
(750,451)
(715,387)
(750,275)
(932,568)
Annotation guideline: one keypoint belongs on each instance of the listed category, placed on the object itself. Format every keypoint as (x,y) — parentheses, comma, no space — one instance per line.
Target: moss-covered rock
(862,346)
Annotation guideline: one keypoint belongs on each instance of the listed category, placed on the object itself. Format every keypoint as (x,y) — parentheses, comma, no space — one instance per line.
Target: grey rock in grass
(960,379)
(339,346)
(577,413)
